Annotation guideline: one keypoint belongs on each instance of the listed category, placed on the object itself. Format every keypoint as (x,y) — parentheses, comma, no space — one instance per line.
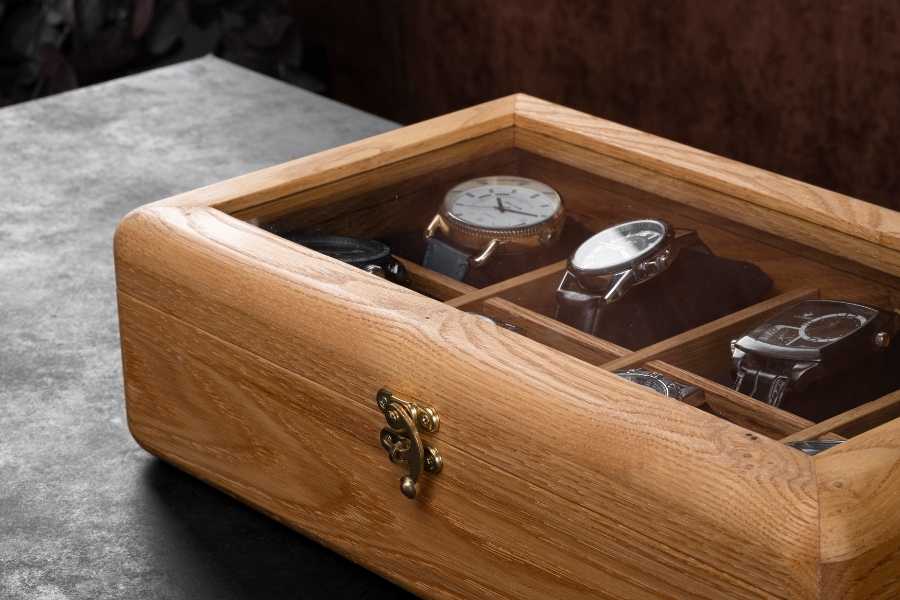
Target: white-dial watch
(483,217)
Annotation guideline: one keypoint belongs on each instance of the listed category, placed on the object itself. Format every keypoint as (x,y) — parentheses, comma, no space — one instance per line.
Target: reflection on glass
(618,245)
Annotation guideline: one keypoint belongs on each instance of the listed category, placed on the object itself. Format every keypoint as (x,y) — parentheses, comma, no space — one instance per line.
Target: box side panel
(754,186)
(859,491)
(310,457)
(685,487)
(723,201)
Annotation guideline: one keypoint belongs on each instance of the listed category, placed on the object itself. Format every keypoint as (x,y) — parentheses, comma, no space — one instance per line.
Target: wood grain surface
(310,457)
(859,487)
(353,333)
(854,421)
(552,333)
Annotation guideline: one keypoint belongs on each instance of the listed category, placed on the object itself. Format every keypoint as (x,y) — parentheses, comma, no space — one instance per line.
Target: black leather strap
(762,385)
(696,289)
(444,258)
(576,306)
(355,251)
(371,255)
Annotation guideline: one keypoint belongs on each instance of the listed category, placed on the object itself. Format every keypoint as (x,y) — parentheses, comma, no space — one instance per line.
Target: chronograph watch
(812,344)
(608,264)
(482,218)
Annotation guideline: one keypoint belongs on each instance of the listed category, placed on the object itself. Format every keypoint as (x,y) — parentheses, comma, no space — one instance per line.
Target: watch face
(502,202)
(813,324)
(619,245)
(645,378)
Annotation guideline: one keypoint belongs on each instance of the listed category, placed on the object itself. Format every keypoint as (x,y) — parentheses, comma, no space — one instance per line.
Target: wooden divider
(854,421)
(701,348)
(433,284)
(520,286)
(552,333)
(736,407)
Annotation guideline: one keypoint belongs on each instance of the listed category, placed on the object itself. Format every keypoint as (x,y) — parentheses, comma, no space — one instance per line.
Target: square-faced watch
(481,219)
(822,342)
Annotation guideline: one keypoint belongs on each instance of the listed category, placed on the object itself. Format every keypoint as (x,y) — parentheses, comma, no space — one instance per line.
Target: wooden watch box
(253,363)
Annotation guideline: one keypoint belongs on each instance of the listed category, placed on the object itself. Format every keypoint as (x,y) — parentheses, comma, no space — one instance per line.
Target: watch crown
(882,339)
(733,345)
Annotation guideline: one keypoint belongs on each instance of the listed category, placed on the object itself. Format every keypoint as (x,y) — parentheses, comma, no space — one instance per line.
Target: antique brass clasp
(402,441)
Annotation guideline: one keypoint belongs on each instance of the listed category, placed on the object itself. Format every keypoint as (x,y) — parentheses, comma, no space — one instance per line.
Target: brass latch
(401,438)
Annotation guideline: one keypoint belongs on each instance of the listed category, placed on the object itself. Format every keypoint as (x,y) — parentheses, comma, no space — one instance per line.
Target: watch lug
(485,254)
(621,284)
(436,223)
(804,373)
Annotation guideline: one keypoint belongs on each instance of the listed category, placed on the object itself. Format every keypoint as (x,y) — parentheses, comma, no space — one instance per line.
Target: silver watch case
(610,284)
(664,385)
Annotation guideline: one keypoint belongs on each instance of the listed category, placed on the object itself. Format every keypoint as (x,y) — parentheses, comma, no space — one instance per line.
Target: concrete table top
(84,512)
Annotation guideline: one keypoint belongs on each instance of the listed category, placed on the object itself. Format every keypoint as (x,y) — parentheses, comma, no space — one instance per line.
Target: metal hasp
(402,441)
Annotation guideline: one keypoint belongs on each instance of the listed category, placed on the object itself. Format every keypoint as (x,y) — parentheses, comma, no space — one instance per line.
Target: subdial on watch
(828,328)
(779,335)
(502,203)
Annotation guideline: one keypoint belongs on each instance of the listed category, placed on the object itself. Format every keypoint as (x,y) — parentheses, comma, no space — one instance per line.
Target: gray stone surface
(84,512)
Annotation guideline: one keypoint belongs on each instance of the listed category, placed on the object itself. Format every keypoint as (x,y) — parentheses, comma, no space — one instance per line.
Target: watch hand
(500,204)
(474,206)
(519,212)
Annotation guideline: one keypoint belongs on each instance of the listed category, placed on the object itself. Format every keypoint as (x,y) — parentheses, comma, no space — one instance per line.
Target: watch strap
(358,252)
(445,259)
(575,306)
(762,385)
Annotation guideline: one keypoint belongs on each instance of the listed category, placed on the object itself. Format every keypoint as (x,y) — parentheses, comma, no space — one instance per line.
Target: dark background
(806,88)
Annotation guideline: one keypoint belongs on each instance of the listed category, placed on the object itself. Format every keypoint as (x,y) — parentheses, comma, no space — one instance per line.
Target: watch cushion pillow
(697,288)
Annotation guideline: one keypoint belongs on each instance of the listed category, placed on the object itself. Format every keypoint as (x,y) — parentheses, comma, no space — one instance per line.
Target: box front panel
(551,462)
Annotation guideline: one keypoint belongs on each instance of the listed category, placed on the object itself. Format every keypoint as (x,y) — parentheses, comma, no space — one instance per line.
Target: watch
(818,357)
(488,216)
(371,256)
(664,385)
(608,264)
(813,447)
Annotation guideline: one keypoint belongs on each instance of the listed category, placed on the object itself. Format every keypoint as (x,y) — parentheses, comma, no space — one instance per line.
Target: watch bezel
(476,237)
(848,343)
(673,389)
(660,246)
